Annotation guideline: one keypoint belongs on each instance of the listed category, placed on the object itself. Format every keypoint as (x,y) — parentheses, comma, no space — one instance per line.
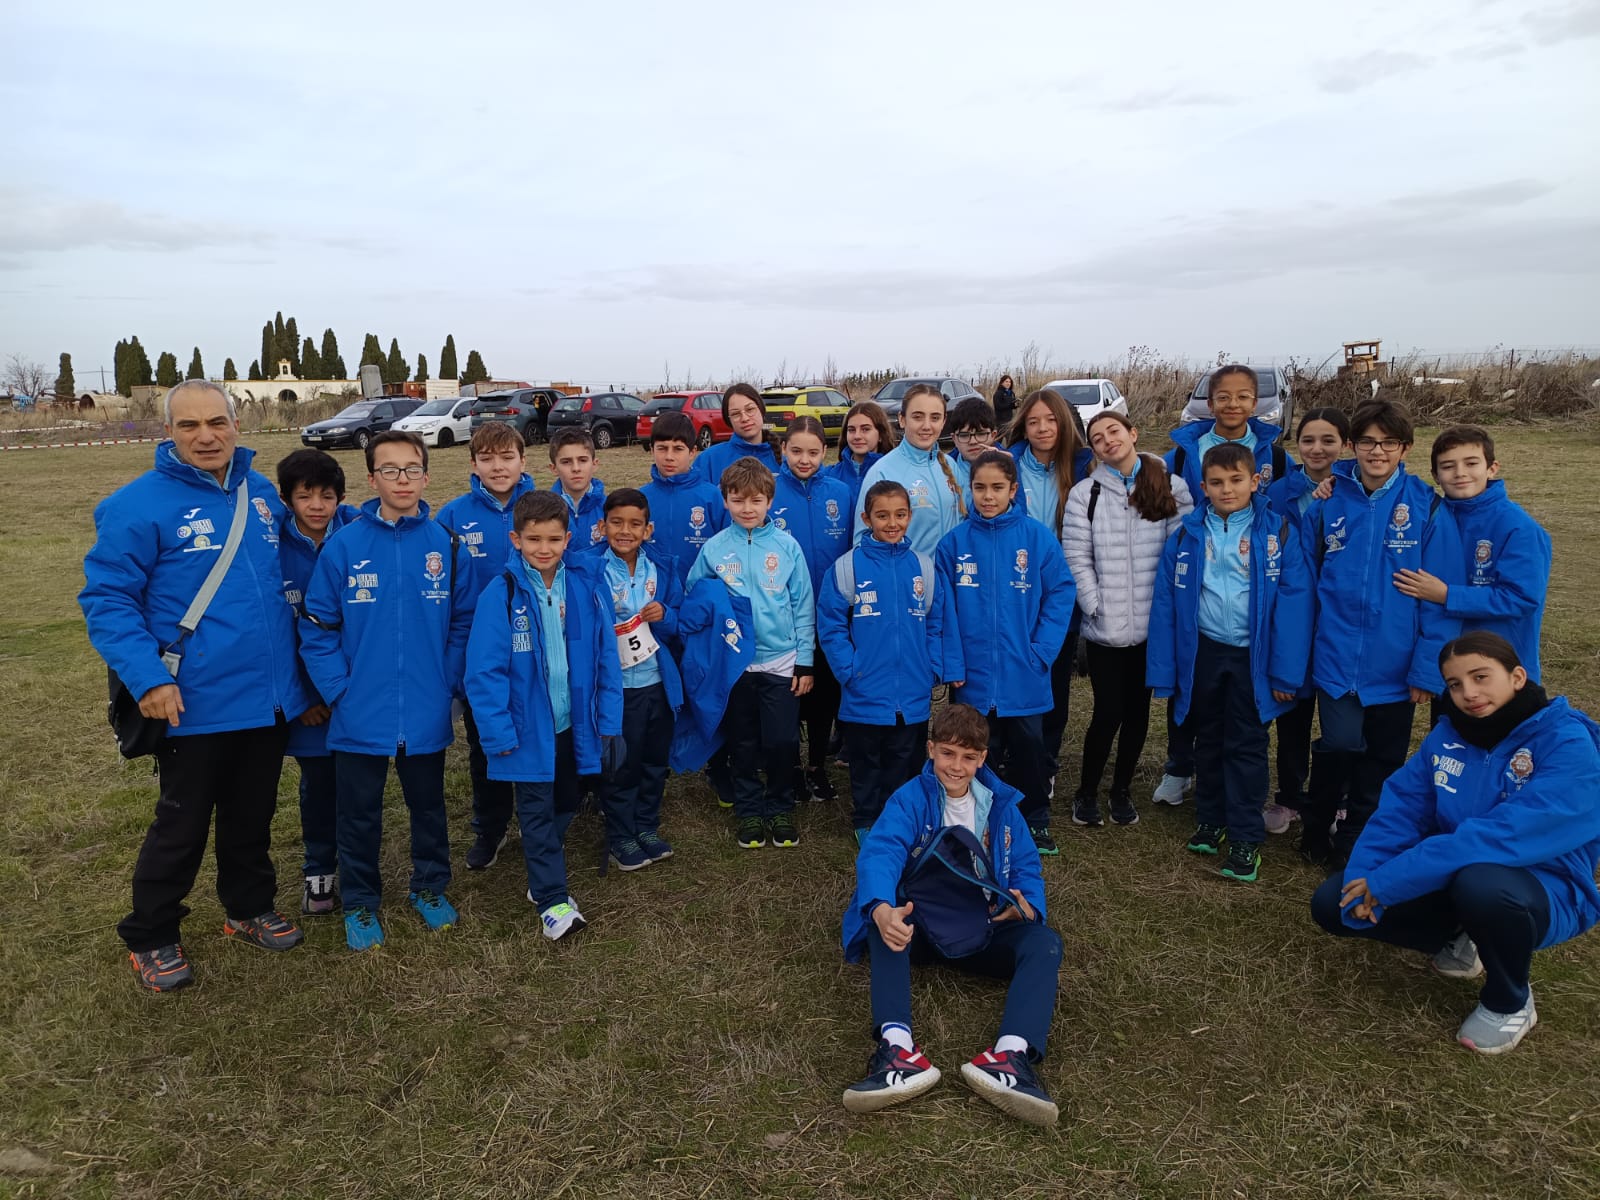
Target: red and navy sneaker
(893,1077)
(1007,1081)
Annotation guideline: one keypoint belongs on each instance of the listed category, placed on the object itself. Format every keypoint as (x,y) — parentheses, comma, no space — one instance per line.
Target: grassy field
(694,1041)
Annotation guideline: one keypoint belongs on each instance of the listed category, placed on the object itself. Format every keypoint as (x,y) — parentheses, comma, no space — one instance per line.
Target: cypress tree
(476,372)
(422,368)
(371,352)
(255,370)
(397,371)
(310,361)
(230,373)
(447,358)
(166,369)
(291,346)
(269,351)
(332,361)
(66,385)
(197,369)
(139,373)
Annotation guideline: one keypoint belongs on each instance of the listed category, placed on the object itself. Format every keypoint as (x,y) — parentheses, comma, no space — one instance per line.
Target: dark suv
(891,395)
(356,424)
(610,417)
(526,408)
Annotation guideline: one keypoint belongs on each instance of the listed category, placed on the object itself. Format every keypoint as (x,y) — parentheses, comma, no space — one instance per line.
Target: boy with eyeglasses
(384,641)
(975,429)
(1366,659)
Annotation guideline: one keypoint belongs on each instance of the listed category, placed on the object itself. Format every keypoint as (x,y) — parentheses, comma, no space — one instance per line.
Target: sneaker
(751,834)
(893,1077)
(656,846)
(1086,810)
(320,895)
(1171,790)
(1496,1033)
(484,851)
(1279,817)
(1206,839)
(270,931)
(164,969)
(436,912)
(561,919)
(628,855)
(1046,844)
(361,929)
(1122,810)
(820,786)
(1244,862)
(1458,958)
(1007,1081)
(783,830)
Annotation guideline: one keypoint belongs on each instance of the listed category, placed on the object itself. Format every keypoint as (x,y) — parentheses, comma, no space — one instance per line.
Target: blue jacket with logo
(686,511)
(1532,801)
(483,526)
(718,458)
(765,564)
(815,512)
(934,507)
(912,816)
(880,640)
(1187,437)
(299,556)
(156,540)
(851,473)
(1368,635)
(1495,559)
(385,632)
(508,682)
(1005,597)
(588,522)
(719,644)
(669,594)
(1282,603)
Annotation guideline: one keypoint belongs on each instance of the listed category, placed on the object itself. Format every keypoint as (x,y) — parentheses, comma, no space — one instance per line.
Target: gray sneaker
(1458,958)
(1497,1033)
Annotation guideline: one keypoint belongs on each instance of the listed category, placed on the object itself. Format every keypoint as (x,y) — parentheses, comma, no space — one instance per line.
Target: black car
(356,424)
(610,417)
(890,396)
(526,408)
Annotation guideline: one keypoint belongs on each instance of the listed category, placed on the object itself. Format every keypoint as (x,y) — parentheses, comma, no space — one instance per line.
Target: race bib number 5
(635,642)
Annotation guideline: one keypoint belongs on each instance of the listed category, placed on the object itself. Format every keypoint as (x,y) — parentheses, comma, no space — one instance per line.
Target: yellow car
(826,404)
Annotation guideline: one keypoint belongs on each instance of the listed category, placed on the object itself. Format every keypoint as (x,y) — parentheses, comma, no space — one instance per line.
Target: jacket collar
(1494,494)
(169,464)
(523,484)
(369,510)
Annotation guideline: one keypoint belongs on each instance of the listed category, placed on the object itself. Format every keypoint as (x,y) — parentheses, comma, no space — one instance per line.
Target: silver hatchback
(1274,398)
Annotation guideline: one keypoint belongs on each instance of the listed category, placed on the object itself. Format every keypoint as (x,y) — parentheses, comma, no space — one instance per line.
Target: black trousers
(1230,742)
(882,759)
(235,776)
(1363,745)
(1121,713)
(761,730)
(1055,721)
(818,709)
(492,799)
(1294,753)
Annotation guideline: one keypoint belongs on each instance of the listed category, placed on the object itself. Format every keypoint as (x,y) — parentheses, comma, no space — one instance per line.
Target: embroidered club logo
(730,633)
(1483,552)
(1272,545)
(1400,519)
(650,588)
(832,509)
(1244,549)
(1521,767)
(1022,562)
(597,532)
(433,566)
(1266,473)
(771,564)
(917,587)
(697,517)
(262,511)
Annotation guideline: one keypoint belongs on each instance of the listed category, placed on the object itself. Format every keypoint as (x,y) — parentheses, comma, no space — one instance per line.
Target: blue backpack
(953,893)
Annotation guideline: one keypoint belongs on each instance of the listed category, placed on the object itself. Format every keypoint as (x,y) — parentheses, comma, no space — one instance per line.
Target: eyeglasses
(1387,445)
(982,436)
(391,472)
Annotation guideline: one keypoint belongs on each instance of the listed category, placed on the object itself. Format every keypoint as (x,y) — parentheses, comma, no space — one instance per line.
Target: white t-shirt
(961,810)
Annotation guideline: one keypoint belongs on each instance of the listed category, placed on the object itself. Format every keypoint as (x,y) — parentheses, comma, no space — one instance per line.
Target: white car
(1089,397)
(442,422)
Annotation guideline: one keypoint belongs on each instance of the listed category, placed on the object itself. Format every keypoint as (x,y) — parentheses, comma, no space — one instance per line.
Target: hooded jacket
(156,540)
(686,511)
(508,682)
(815,512)
(913,814)
(384,637)
(669,595)
(881,640)
(298,554)
(766,566)
(1005,597)
(851,474)
(1282,601)
(1495,560)
(1187,438)
(588,516)
(483,526)
(934,510)
(719,645)
(1116,556)
(718,458)
(1532,801)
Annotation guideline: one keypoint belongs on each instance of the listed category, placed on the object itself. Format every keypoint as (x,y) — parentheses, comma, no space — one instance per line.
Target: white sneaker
(1458,958)
(1496,1033)
(1278,818)
(1171,790)
(560,919)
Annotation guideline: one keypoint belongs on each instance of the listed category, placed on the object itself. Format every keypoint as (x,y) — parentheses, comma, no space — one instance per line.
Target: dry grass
(693,1042)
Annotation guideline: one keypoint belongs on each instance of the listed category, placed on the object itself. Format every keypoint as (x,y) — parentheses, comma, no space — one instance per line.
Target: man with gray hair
(227,690)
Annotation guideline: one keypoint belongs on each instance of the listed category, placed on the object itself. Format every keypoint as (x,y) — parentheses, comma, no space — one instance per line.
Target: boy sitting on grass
(955,801)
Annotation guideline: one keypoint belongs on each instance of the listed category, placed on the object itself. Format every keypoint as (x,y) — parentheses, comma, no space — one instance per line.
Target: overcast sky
(591,191)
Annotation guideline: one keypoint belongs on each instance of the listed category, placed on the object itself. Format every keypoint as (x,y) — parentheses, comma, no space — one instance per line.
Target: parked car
(356,424)
(702,408)
(826,404)
(527,408)
(1274,399)
(890,395)
(610,417)
(441,422)
(1089,397)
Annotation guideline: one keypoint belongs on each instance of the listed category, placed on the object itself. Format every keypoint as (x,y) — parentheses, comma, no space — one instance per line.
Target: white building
(286,388)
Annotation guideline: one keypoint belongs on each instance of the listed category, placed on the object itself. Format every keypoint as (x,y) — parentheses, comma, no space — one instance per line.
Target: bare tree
(24,377)
(1030,366)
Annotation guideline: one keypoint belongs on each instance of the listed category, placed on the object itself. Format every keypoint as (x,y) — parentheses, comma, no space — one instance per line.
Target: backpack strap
(925,564)
(844,575)
(1094,497)
(511,590)
(1179,457)
(1280,461)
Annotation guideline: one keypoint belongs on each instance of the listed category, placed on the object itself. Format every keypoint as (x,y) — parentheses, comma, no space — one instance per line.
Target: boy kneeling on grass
(949,874)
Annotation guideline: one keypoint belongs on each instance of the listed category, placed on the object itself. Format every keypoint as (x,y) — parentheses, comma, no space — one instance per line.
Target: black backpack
(953,894)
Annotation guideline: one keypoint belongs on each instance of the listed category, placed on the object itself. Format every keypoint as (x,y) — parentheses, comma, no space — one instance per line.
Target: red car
(703,408)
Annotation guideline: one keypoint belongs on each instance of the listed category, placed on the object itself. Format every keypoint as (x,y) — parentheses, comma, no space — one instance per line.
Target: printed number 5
(634,643)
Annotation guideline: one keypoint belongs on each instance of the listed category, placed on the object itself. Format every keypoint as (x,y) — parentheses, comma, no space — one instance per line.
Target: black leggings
(1121,703)
(818,709)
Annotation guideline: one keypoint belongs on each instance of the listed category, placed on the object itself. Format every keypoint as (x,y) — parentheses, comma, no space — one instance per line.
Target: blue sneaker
(361,929)
(628,855)
(1007,1081)
(656,846)
(436,912)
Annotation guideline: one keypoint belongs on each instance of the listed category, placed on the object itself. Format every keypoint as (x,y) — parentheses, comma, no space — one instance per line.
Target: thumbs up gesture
(892,925)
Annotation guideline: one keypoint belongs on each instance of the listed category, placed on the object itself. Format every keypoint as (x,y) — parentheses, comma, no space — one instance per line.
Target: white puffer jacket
(1114,562)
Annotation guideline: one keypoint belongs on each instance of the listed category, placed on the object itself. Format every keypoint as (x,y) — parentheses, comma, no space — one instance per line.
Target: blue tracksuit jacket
(156,539)
(1187,437)
(299,556)
(1005,597)
(766,566)
(716,459)
(880,641)
(1495,559)
(483,526)
(508,683)
(1282,604)
(588,518)
(913,814)
(1368,633)
(1532,802)
(686,511)
(815,512)
(719,644)
(385,634)
(669,595)
(852,473)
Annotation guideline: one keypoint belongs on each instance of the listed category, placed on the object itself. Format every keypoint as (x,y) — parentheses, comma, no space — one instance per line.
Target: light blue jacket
(766,566)
(935,509)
